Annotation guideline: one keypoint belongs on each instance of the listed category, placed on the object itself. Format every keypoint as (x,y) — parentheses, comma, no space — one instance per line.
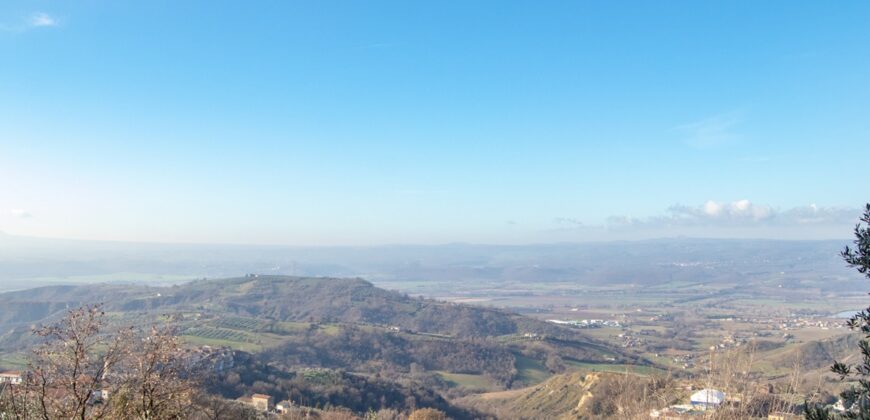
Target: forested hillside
(341,342)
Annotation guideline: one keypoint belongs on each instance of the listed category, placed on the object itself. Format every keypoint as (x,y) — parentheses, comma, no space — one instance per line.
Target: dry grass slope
(577,395)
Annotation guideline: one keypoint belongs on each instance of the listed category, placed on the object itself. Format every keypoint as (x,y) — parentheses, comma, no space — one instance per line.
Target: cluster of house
(793,321)
(629,340)
(586,323)
(205,358)
(684,360)
(801,323)
(731,341)
(14,377)
(215,357)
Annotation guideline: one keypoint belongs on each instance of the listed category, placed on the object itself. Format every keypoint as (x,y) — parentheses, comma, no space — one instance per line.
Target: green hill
(331,323)
(278,298)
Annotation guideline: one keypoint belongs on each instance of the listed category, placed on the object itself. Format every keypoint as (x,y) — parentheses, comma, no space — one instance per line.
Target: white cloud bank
(740,213)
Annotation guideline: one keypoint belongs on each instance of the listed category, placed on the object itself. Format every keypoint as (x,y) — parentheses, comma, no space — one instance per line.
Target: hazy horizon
(588,241)
(27,262)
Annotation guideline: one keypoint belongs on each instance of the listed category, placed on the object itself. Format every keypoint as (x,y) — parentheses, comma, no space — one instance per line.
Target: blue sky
(430,122)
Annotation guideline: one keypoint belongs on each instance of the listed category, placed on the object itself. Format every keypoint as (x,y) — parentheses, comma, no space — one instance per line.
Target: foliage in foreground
(83,370)
(857,398)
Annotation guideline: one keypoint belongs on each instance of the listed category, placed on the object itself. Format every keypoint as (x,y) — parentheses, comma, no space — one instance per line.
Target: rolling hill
(276,298)
(330,323)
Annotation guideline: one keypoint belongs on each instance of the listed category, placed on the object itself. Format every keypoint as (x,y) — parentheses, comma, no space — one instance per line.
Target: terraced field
(241,324)
(202,341)
(222,334)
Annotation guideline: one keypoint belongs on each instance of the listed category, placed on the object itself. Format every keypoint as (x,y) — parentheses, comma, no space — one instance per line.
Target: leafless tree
(82,370)
(70,369)
(154,382)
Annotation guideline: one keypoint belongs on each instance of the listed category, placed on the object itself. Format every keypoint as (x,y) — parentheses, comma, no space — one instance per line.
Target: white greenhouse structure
(708,398)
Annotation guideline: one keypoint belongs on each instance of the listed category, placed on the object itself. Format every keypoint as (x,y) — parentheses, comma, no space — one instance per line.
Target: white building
(10,377)
(707,398)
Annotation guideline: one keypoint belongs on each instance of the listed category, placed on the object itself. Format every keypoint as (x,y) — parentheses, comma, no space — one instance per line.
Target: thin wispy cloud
(42,20)
(379,45)
(34,21)
(419,192)
(755,159)
(20,213)
(710,132)
(570,222)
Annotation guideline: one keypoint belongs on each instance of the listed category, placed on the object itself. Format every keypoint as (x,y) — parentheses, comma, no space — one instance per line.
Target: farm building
(10,377)
(260,402)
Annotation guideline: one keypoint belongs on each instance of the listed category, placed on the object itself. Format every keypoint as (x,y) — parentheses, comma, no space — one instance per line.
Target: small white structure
(10,377)
(283,407)
(707,398)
